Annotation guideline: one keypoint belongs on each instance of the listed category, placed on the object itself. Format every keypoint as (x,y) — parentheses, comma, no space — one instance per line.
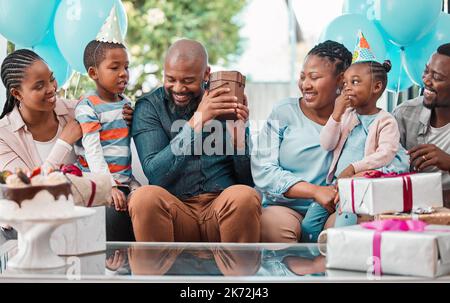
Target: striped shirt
(106,138)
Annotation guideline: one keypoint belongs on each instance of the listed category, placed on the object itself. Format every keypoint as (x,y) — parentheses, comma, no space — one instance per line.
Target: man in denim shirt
(424,122)
(198,167)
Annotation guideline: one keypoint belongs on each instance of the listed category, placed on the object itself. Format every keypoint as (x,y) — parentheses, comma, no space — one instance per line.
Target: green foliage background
(155,24)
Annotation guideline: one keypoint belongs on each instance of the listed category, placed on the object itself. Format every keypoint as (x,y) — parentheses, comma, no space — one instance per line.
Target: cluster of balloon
(407,32)
(57,30)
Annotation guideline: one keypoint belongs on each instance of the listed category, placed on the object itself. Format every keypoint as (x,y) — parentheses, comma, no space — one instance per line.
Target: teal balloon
(418,54)
(26,22)
(18,46)
(49,51)
(356,6)
(344,29)
(77,22)
(398,79)
(406,21)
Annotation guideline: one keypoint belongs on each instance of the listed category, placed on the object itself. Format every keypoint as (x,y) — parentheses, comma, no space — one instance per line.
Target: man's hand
(426,155)
(128,113)
(325,196)
(119,200)
(213,104)
(236,129)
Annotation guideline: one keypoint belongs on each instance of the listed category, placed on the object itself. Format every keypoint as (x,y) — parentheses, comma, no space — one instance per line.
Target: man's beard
(436,104)
(186,109)
(191,98)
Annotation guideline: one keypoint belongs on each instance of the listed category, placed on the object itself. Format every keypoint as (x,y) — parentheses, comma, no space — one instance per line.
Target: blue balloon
(418,54)
(356,6)
(77,22)
(344,29)
(406,21)
(18,46)
(49,51)
(398,79)
(26,22)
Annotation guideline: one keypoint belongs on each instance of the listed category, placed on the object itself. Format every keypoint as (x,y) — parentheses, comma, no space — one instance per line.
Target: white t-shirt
(44,148)
(441,138)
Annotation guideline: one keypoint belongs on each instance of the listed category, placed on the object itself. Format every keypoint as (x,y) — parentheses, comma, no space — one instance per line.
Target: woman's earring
(338,91)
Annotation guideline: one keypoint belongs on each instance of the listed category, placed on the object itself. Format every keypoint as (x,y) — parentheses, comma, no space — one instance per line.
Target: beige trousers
(231,216)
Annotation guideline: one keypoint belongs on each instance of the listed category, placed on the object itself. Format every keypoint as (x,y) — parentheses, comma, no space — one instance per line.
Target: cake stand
(34,251)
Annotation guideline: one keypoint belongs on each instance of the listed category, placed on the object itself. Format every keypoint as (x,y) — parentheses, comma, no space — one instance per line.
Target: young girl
(361,136)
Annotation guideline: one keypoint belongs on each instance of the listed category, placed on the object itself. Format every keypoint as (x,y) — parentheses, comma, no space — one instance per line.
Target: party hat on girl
(362,52)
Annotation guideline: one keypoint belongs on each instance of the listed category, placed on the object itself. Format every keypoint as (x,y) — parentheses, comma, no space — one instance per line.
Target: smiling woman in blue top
(288,164)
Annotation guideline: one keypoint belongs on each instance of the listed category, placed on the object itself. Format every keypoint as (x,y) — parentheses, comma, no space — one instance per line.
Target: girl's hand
(340,106)
(348,172)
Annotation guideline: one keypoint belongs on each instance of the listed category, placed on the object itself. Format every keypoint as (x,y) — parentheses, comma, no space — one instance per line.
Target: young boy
(106,138)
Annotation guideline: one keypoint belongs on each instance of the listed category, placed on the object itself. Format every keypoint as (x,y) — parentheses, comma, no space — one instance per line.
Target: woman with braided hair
(37,129)
(289,166)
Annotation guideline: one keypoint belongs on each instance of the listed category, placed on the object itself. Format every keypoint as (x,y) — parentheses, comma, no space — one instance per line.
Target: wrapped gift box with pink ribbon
(390,247)
(390,193)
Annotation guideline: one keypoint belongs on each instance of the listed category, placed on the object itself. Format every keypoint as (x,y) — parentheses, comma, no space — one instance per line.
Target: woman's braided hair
(12,73)
(335,52)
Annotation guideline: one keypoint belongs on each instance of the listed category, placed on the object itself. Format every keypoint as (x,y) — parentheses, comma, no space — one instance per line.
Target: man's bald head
(186,71)
(187,51)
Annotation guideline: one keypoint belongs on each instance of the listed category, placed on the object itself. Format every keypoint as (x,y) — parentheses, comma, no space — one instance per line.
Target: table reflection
(216,260)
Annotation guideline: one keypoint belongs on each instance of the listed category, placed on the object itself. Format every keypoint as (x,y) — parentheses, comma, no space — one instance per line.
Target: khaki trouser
(231,216)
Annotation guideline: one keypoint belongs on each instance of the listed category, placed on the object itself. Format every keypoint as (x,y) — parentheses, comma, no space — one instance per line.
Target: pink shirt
(17,148)
(382,141)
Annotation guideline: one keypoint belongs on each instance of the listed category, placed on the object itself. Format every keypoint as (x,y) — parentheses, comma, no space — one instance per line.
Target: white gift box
(373,196)
(83,236)
(425,254)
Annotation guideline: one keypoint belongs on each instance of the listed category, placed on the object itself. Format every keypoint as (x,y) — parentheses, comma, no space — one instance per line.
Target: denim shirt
(171,152)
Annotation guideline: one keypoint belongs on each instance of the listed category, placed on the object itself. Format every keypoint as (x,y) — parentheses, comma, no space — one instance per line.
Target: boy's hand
(128,113)
(119,200)
(115,262)
(340,106)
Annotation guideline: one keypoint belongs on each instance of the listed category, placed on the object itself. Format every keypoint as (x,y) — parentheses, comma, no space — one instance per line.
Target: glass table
(194,262)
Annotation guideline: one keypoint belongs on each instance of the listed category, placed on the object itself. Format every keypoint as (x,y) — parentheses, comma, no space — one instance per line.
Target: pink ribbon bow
(389,225)
(407,187)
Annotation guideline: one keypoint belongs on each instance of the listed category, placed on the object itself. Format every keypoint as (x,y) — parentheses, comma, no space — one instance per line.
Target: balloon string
(76,85)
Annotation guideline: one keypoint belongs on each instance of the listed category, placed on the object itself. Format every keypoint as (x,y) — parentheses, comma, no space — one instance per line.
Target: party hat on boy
(362,52)
(110,31)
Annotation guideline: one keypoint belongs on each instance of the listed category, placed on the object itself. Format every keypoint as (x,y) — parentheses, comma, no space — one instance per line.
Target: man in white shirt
(424,122)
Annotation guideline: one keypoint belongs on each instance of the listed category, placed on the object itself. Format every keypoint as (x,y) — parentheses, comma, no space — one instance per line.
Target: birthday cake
(35,195)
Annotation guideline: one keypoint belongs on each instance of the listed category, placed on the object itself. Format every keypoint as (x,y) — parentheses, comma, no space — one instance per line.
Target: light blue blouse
(288,151)
(353,150)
